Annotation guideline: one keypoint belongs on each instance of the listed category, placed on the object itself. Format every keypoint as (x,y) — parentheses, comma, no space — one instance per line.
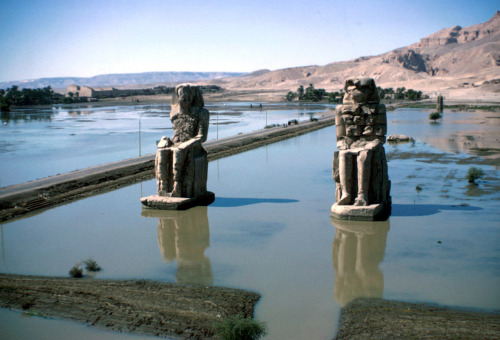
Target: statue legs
(179,159)
(364,166)
(345,173)
(163,170)
(346,164)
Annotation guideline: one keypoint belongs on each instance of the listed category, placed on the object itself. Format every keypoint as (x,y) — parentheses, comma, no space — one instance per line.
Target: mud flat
(32,196)
(135,306)
(383,319)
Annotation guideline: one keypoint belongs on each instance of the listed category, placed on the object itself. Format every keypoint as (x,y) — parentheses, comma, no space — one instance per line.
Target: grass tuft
(240,328)
(76,271)
(474,174)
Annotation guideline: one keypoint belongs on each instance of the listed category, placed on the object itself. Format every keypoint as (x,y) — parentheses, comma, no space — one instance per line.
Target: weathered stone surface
(357,213)
(399,139)
(177,203)
(439,104)
(360,165)
(181,163)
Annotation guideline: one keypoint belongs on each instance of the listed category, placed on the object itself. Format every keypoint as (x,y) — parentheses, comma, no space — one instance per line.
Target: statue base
(177,203)
(373,212)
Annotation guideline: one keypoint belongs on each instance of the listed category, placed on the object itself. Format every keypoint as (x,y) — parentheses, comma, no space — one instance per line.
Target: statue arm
(342,143)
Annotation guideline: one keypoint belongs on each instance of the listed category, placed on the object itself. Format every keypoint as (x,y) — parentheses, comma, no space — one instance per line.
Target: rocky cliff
(451,58)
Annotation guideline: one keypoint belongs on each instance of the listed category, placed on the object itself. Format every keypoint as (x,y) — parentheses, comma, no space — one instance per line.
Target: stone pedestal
(372,212)
(177,203)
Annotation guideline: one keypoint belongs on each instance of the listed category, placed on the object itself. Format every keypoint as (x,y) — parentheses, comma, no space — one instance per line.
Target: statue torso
(185,127)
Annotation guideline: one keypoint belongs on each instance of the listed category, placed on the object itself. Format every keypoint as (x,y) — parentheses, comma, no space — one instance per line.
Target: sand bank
(383,319)
(134,306)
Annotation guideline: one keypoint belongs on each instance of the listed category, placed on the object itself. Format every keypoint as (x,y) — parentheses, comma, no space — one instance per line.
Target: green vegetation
(290,96)
(312,94)
(76,271)
(240,328)
(474,174)
(400,93)
(14,96)
(383,93)
(91,265)
(435,116)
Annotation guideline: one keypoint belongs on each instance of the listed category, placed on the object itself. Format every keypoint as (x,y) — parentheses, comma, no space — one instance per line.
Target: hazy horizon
(51,39)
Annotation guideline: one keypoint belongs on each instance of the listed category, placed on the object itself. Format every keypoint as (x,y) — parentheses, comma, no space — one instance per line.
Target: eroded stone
(360,165)
(181,163)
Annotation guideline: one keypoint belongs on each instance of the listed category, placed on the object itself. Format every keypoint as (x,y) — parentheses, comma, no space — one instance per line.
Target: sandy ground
(382,319)
(136,306)
(460,95)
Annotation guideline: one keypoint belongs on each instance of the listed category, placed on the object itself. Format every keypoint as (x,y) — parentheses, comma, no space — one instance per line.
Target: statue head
(360,91)
(187,97)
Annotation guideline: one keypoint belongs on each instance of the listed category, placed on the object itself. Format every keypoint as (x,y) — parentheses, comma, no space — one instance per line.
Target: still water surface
(41,142)
(269,231)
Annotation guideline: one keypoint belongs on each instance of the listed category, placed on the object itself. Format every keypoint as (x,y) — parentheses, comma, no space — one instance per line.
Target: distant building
(77,91)
(85,92)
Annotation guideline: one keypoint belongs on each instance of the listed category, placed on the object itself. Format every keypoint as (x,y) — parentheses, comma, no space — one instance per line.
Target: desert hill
(135,80)
(451,60)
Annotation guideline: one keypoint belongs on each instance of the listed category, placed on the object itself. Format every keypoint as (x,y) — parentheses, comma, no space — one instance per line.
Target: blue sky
(55,38)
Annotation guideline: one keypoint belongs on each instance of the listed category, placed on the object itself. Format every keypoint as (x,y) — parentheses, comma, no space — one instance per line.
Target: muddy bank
(382,319)
(136,306)
(22,199)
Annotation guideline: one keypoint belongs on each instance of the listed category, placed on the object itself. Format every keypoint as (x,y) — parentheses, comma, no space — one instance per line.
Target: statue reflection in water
(358,248)
(184,236)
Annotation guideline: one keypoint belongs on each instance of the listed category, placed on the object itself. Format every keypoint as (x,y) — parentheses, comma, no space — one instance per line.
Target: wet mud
(383,319)
(135,306)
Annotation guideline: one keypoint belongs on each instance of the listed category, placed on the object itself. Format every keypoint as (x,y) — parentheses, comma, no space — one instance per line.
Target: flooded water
(41,142)
(269,231)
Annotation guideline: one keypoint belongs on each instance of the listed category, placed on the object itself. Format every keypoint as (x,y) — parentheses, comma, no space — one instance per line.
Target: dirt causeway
(136,306)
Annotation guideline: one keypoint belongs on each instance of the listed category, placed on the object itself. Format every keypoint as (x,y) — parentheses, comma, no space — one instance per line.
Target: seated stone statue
(181,163)
(360,166)
(176,172)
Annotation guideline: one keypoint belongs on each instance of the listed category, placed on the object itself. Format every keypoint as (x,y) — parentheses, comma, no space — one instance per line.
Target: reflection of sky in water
(457,132)
(269,231)
(36,143)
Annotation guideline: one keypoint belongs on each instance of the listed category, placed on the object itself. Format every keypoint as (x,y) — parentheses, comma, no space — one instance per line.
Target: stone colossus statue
(360,167)
(175,169)
(181,163)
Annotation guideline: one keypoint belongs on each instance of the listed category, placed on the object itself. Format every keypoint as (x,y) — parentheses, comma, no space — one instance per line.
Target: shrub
(91,265)
(240,328)
(435,116)
(76,271)
(474,173)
